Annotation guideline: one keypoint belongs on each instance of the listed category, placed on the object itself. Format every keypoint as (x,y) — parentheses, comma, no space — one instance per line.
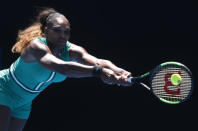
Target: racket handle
(134,80)
(130,80)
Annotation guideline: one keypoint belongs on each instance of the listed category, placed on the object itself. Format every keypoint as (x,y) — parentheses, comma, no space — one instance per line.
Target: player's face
(58,32)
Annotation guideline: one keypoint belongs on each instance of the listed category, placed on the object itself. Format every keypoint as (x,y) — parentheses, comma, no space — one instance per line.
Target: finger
(116,79)
(125,81)
(120,81)
(129,75)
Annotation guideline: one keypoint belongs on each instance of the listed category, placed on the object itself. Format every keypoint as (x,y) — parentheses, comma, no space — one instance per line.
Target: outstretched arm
(39,52)
(80,55)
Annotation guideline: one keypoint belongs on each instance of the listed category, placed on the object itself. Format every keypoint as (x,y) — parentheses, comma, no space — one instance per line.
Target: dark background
(136,35)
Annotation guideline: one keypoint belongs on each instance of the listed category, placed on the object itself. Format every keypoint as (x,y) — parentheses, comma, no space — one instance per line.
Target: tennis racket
(159,81)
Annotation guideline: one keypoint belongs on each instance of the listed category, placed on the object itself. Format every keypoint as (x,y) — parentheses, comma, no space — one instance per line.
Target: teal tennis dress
(23,81)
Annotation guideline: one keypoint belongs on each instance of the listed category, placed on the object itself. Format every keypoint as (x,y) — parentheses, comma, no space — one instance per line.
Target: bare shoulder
(37,45)
(76,48)
(34,49)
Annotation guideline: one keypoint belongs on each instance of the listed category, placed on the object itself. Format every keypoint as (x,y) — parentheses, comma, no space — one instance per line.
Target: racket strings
(163,89)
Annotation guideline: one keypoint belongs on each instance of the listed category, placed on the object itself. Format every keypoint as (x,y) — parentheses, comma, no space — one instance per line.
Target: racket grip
(130,80)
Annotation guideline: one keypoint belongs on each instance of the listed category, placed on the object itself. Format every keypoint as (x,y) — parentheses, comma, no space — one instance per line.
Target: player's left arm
(79,54)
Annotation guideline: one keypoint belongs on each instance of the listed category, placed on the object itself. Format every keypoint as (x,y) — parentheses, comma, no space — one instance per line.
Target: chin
(61,43)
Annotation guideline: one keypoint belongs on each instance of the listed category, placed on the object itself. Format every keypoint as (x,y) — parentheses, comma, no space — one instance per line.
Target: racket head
(162,87)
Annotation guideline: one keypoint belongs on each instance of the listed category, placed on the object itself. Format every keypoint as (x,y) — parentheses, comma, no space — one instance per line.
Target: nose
(62,35)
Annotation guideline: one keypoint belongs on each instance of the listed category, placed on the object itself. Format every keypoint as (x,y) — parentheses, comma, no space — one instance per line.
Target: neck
(55,49)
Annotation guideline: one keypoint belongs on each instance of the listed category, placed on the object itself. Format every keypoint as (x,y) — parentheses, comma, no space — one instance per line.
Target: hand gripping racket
(171,82)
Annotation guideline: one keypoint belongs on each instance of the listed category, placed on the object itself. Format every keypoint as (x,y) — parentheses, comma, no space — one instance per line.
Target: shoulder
(36,44)
(34,49)
(77,48)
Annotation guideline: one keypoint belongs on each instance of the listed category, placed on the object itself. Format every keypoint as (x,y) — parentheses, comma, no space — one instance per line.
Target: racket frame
(148,77)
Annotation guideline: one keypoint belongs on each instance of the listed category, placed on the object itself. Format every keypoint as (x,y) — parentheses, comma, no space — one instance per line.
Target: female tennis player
(46,56)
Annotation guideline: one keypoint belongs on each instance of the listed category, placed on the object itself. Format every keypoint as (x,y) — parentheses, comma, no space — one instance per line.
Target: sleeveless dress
(23,81)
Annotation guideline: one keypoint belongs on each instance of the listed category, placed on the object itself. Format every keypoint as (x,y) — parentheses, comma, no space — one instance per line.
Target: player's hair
(36,29)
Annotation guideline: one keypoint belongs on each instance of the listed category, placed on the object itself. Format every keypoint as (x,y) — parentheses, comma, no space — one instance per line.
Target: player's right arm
(36,51)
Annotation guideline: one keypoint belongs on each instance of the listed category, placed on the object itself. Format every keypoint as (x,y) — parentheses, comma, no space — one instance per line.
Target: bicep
(41,53)
(34,51)
(80,55)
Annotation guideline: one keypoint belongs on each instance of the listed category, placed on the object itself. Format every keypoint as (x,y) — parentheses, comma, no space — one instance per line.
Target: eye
(67,31)
(56,30)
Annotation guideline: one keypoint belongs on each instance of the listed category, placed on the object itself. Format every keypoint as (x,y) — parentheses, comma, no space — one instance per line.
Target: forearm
(74,70)
(109,65)
(87,59)
(69,69)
